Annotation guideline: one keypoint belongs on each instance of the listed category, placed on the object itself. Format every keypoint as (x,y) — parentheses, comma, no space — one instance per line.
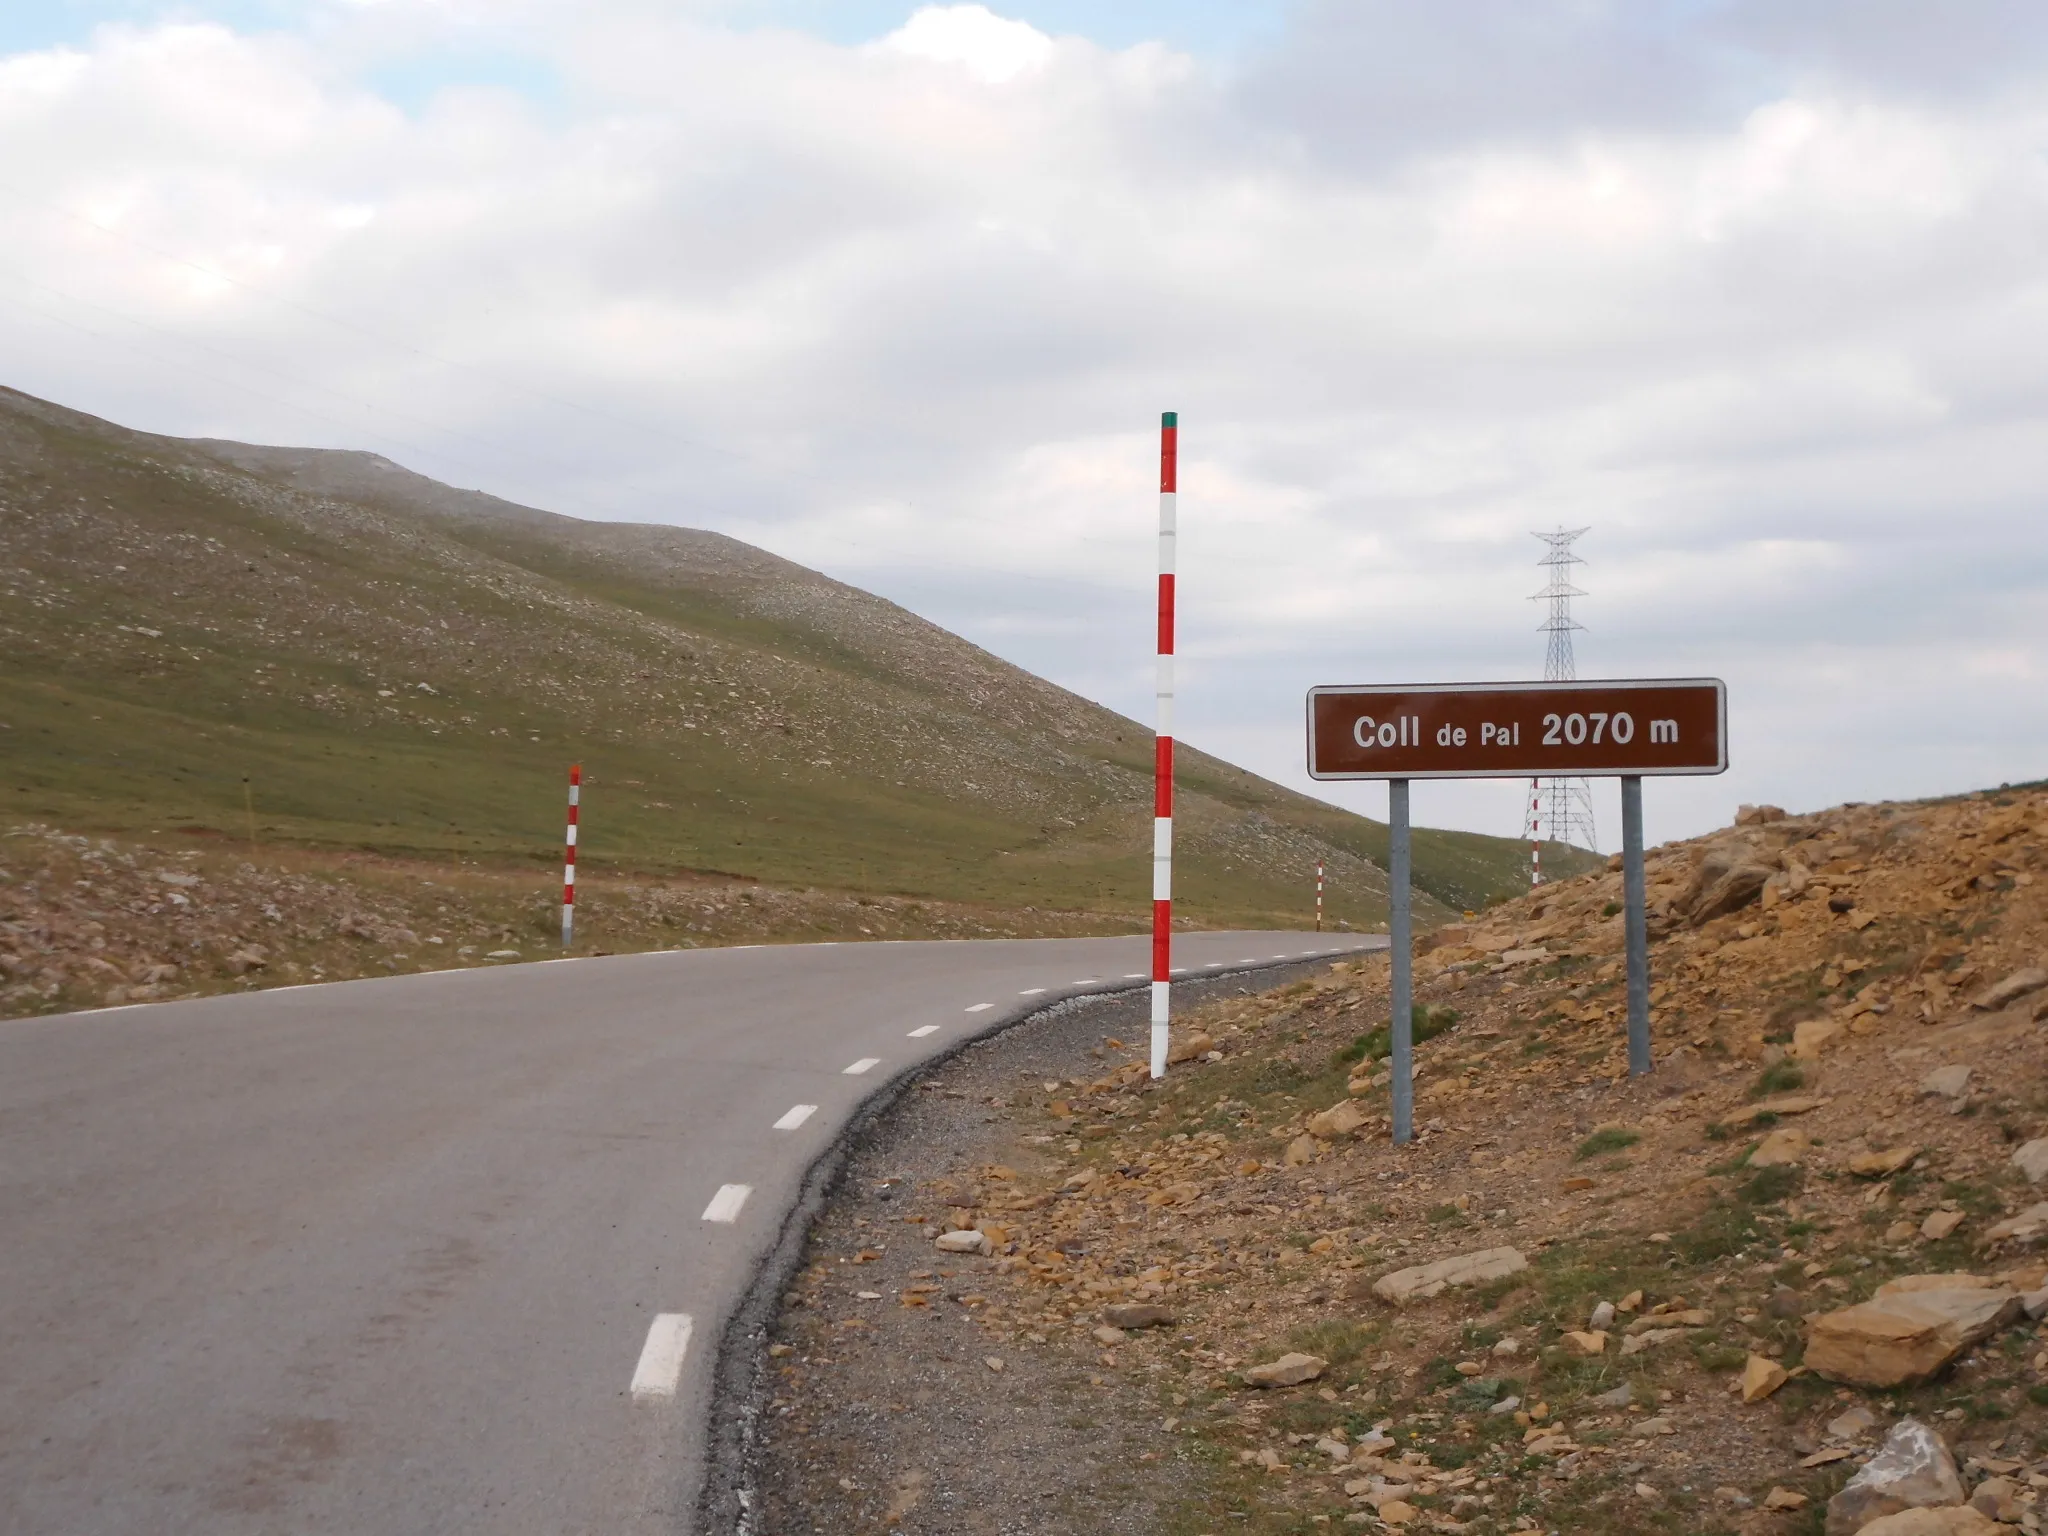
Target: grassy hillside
(377,661)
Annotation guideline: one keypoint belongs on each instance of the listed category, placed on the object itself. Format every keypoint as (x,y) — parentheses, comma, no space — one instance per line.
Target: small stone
(1784,1498)
(1782,1148)
(1946,1082)
(1812,1036)
(1299,1151)
(1188,1047)
(1900,1232)
(1138,1315)
(1108,1336)
(1507,1349)
(1761,1376)
(1882,1165)
(1998,1499)
(1290,1370)
(964,1242)
(1620,1397)
(2035,1304)
(993,1363)
(1397,1511)
(2032,1159)
(1586,1343)
(1469,1368)
(1602,1318)
(1344,1119)
(1851,1423)
(2023,1228)
(1959,1521)
(1909,1330)
(1940,1224)
(1425,1281)
(1913,1470)
(2011,989)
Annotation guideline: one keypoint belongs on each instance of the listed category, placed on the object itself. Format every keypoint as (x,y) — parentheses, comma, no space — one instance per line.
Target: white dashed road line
(1031,992)
(922,1030)
(1134,975)
(797,1115)
(860,1066)
(661,1358)
(725,1205)
(980,1007)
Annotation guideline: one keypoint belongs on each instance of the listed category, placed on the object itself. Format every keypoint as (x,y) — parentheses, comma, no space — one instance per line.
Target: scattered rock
(1135,1315)
(1909,1330)
(1299,1151)
(1602,1318)
(1851,1423)
(2031,1158)
(2032,979)
(1586,1343)
(1997,1498)
(1188,1047)
(1946,1082)
(1107,1336)
(1289,1370)
(502,954)
(1784,1498)
(1912,1470)
(1424,1281)
(1882,1165)
(1782,1148)
(1959,1521)
(1345,1119)
(1620,1397)
(964,1242)
(1940,1224)
(1761,1376)
(2023,1228)
(1811,1036)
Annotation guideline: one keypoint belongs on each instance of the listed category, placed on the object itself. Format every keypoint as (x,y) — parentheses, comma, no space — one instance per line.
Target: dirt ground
(905,1393)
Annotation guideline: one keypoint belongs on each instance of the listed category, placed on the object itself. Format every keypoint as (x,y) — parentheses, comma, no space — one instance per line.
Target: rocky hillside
(204,634)
(1788,1282)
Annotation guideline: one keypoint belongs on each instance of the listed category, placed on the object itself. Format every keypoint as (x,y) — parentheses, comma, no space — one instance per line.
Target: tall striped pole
(1535,832)
(569,859)
(1162,757)
(1319,895)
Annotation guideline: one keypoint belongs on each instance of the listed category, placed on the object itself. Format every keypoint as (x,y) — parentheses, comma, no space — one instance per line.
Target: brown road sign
(1519,730)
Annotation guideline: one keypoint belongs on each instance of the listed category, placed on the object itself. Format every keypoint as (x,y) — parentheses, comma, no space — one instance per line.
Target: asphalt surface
(406,1255)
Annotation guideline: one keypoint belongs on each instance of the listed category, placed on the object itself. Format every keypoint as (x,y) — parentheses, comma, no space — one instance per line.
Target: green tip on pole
(1169,418)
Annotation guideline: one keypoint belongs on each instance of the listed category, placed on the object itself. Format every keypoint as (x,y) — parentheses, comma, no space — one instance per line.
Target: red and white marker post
(1535,831)
(569,859)
(1319,895)
(1162,769)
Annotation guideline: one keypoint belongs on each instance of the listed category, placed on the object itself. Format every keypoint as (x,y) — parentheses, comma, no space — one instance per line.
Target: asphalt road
(410,1255)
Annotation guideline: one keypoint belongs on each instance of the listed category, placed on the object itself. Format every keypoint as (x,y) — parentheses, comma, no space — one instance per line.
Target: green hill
(395,665)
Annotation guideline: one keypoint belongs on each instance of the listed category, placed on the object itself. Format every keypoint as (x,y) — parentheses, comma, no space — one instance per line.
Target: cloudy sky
(1756,290)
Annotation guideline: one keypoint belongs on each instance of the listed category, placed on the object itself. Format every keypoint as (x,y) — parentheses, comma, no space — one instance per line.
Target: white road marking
(725,1205)
(661,1358)
(922,1030)
(1249,960)
(1031,992)
(1134,975)
(1213,965)
(797,1115)
(1087,981)
(860,1066)
(981,1007)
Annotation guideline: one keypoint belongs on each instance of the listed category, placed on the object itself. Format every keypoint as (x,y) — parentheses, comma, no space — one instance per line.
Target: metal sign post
(1626,730)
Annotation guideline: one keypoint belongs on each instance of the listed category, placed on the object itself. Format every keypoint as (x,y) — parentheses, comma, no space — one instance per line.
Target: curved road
(415,1254)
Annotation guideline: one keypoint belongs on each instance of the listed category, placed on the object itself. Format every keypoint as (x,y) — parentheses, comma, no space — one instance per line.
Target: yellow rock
(1781,1149)
(1589,1343)
(1761,1376)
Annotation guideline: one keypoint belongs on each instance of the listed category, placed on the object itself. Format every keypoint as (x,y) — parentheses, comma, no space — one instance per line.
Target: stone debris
(968,1241)
(1908,1330)
(1424,1281)
(2014,987)
(1958,1521)
(1950,1082)
(1761,1376)
(1882,1165)
(1290,1370)
(1912,1470)
(1781,1149)
(2031,1158)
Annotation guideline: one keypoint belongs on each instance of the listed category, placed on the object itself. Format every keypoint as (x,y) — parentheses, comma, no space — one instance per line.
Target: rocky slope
(102,922)
(372,660)
(1800,1254)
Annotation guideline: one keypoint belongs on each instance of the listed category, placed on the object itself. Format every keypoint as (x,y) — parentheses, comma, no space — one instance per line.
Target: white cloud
(989,47)
(910,310)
